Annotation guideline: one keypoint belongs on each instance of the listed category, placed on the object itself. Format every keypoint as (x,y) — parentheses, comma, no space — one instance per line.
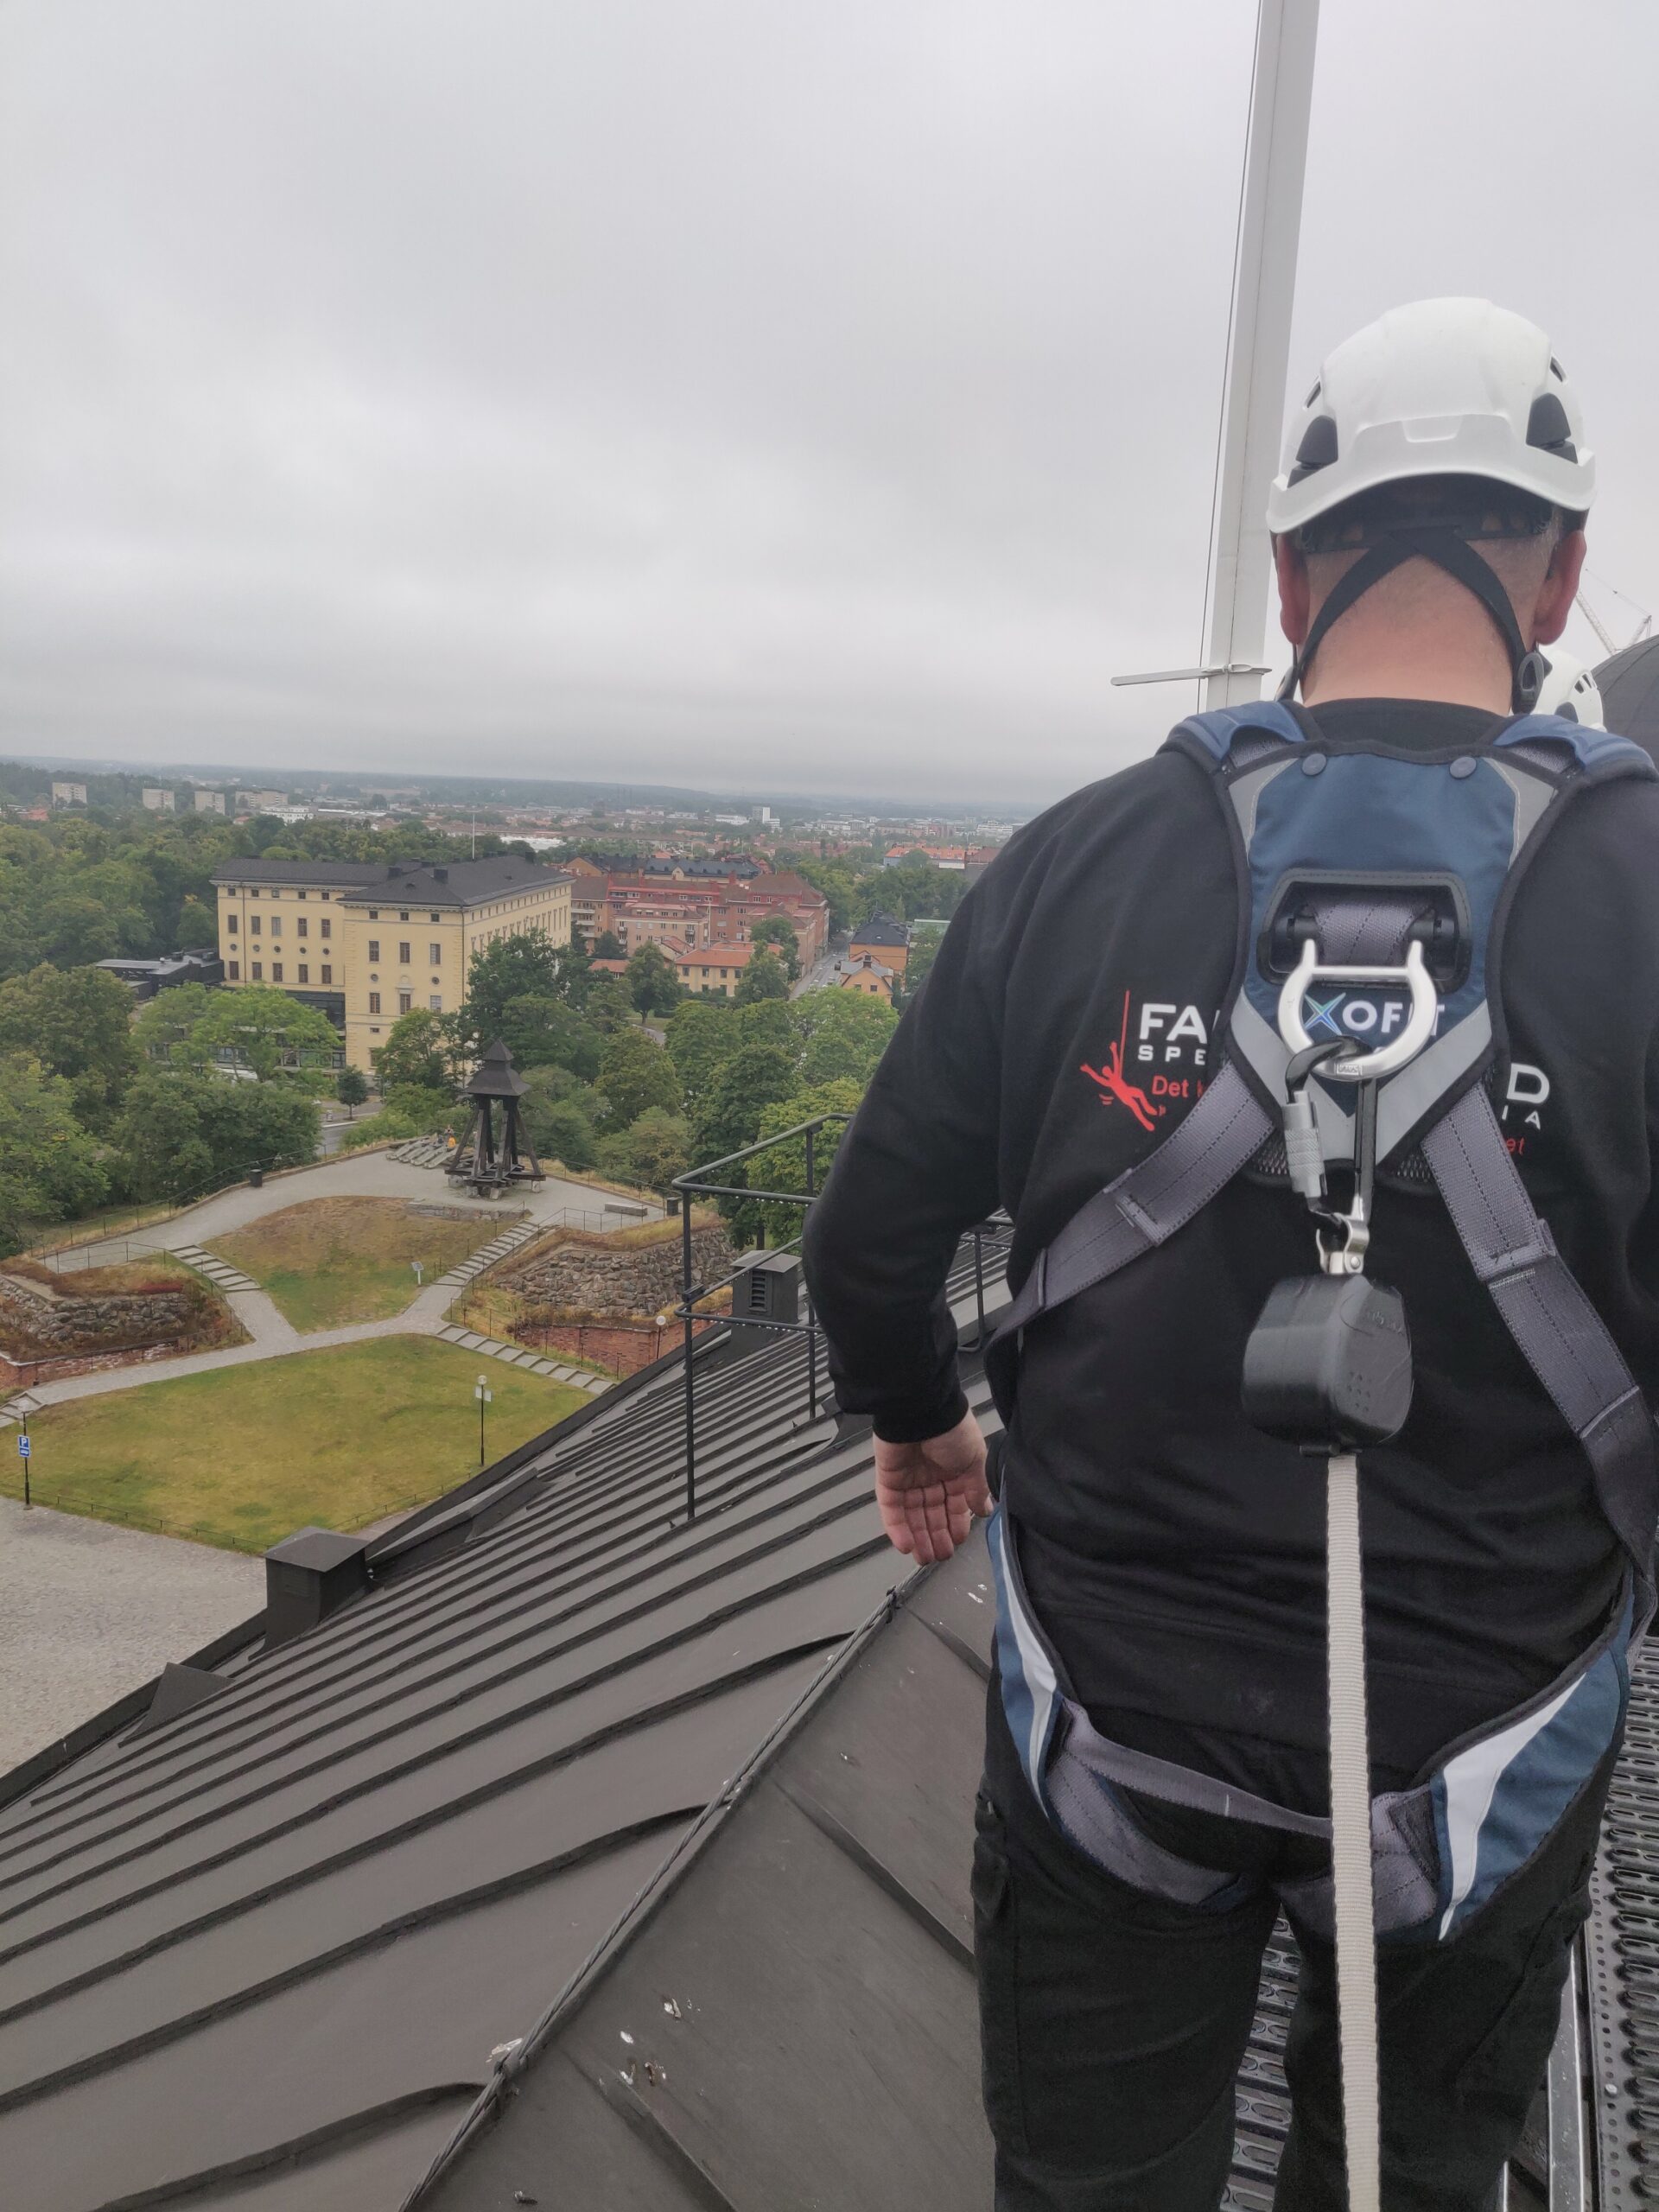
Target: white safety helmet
(1569,688)
(1458,390)
(1440,388)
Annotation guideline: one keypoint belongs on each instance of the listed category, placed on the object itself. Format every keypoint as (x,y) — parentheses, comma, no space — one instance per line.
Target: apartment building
(701,903)
(716,973)
(366,941)
(159,799)
(885,939)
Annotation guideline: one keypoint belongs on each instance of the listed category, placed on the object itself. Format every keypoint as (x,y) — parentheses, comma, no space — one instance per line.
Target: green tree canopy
(528,965)
(182,1132)
(263,1028)
(754,1077)
(543,1033)
(608,946)
(779,930)
(418,1050)
(351,1088)
(607,1005)
(653,985)
(636,1073)
(846,1035)
(651,1153)
(702,1034)
(764,978)
(786,1164)
(78,1023)
(51,1168)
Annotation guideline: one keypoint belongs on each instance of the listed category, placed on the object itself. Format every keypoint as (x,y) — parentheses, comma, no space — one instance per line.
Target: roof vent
(767,1290)
(309,1575)
(440,875)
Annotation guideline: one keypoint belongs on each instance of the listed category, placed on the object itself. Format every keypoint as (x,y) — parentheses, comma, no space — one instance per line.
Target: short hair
(1475,506)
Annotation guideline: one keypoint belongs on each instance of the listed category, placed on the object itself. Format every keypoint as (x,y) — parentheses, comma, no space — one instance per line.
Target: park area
(332,1262)
(242,1456)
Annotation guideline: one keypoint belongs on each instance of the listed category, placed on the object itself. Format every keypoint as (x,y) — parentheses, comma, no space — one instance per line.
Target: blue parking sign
(22,1448)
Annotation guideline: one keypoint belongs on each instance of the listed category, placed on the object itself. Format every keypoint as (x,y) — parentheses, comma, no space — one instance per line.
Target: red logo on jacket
(1114,1088)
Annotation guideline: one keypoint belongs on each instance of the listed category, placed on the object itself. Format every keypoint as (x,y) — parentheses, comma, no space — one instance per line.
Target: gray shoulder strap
(1557,1330)
(1149,1202)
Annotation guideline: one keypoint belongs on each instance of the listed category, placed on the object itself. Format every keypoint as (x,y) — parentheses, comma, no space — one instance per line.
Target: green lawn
(243,1456)
(331,1262)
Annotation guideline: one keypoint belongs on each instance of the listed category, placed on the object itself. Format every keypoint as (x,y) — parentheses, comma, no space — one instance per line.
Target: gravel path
(89,1611)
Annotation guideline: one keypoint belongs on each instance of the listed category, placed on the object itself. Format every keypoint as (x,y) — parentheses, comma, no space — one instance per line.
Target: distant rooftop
(415,883)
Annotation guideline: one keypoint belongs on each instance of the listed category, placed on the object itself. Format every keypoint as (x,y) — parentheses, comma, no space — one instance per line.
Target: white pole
(1258,354)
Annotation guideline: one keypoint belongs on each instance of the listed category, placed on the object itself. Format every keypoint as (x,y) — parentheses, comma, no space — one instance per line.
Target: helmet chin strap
(1449,550)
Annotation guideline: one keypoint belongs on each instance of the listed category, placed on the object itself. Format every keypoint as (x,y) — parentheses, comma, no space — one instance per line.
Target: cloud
(718,391)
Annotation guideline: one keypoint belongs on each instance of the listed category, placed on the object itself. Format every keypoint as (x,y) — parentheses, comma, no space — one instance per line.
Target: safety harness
(1374,889)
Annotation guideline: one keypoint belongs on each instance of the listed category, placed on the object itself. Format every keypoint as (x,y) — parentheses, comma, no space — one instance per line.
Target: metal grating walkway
(1622,1948)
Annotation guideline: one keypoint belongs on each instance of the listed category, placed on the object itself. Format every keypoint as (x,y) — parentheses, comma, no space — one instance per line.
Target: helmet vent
(1318,448)
(1549,428)
(1313,395)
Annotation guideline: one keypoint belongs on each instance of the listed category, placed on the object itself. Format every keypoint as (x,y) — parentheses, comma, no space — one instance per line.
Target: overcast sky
(748,393)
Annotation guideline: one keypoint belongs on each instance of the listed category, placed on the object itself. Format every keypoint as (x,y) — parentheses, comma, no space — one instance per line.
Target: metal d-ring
(1364,1066)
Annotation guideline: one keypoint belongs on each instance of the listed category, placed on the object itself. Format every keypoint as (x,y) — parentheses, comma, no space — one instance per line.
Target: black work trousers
(1112,2023)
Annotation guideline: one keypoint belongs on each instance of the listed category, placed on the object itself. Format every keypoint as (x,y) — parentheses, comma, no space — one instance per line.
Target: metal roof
(597,1860)
(262,1952)
(413,883)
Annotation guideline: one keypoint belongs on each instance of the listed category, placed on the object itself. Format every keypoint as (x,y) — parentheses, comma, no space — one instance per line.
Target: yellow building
(366,941)
(867,977)
(715,973)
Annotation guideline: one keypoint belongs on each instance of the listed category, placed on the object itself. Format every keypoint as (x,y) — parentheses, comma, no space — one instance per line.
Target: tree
(78,1023)
(196,927)
(780,930)
(846,1035)
(702,1034)
(351,1088)
(636,1073)
(263,1029)
(659,1148)
(528,965)
(764,978)
(608,946)
(416,1051)
(754,1079)
(558,1117)
(607,1005)
(50,1168)
(543,1033)
(653,984)
(926,939)
(786,1164)
(182,1132)
(166,1023)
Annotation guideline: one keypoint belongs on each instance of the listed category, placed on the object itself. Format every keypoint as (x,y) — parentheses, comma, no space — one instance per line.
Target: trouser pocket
(996,1958)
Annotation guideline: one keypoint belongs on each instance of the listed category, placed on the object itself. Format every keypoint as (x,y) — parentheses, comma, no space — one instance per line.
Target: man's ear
(1559,588)
(1294,597)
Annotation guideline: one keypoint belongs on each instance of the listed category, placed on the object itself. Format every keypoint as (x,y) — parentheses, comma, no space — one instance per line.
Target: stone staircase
(580,1378)
(487,1255)
(219,1273)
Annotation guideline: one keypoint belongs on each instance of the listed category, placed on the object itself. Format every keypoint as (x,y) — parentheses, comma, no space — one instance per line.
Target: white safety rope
(1350,1839)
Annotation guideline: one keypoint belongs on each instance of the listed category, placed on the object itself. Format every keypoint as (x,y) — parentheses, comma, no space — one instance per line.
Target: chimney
(309,1575)
(440,875)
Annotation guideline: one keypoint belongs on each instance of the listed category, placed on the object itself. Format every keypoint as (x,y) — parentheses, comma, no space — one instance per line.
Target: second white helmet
(1569,688)
(1441,388)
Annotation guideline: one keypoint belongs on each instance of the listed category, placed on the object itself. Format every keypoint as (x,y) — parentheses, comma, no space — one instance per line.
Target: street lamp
(483,1393)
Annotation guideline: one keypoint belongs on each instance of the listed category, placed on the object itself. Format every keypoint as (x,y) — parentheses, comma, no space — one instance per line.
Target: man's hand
(931,1493)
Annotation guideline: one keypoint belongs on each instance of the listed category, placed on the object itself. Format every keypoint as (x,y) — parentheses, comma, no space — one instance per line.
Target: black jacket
(1175,1556)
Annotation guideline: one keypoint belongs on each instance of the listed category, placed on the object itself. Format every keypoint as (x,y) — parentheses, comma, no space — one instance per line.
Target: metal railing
(696,1184)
